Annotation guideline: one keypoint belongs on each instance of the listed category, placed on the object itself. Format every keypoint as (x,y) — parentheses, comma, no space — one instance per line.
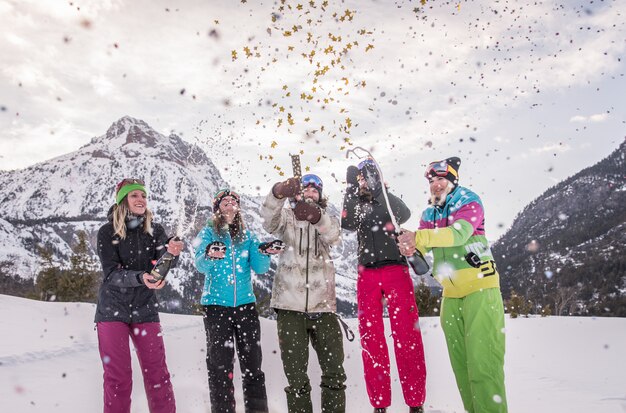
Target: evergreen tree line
(76,283)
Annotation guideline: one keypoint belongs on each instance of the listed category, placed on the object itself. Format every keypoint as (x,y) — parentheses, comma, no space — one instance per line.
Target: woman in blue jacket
(225,253)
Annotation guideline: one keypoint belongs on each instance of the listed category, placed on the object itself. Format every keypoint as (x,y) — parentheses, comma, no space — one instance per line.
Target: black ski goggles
(440,168)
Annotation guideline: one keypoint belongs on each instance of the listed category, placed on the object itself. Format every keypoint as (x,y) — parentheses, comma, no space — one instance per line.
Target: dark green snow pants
(295,330)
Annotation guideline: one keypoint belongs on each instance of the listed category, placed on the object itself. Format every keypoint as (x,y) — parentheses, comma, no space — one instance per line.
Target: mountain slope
(567,248)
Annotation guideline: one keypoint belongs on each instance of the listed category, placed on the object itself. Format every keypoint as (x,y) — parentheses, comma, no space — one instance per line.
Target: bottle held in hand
(418,263)
(163,265)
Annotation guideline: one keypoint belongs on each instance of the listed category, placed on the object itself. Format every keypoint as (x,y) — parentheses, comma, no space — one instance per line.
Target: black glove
(352,175)
(272,245)
(307,211)
(286,189)
(215,246)
(352,180)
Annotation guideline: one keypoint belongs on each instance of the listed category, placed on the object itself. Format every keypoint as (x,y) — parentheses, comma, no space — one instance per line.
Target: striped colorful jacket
(455,232)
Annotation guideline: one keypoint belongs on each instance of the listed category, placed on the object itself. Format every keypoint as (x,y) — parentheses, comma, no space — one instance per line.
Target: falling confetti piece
(86,23)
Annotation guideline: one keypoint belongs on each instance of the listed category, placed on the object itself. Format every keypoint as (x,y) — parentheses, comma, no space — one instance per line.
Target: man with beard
(472,314)
(383,274)
(303,292)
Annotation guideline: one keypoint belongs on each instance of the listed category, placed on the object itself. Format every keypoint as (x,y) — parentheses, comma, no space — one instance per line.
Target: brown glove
(307,211)
(287,189)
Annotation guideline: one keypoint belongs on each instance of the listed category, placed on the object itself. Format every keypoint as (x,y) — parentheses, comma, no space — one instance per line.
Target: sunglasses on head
(128,181)
(312,180)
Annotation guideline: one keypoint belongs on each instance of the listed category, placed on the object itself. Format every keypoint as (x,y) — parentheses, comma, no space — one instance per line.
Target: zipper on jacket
(308,239)
(138,247)
(136,290)
(300,247)
(137,232)
(316,248)
(374,252)
(232,255)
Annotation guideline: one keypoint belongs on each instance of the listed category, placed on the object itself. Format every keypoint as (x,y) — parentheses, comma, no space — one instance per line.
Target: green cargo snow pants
(295,330)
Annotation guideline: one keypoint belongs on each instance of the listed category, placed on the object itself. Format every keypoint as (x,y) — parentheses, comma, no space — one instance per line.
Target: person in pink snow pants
(383,275)
(128,246)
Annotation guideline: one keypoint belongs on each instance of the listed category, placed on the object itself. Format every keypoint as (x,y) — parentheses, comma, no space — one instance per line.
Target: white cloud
(5,7)
(554,147)
(33,77)
(16,40)
(35,143)
(102,85)
(599,117)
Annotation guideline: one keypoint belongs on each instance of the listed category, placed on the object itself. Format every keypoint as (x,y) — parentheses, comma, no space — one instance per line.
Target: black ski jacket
(122,295)
(371,220)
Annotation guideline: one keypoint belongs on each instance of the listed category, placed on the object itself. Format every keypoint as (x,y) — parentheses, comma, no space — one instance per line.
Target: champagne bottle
(163,265)
(418,263)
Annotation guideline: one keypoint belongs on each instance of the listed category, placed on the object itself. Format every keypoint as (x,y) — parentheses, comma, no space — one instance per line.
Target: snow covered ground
(49,363)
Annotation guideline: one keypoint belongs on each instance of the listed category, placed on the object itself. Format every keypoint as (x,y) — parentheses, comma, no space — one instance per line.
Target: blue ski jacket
(228,281)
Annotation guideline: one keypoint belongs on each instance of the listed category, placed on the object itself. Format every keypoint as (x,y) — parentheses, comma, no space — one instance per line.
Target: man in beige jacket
(303,294)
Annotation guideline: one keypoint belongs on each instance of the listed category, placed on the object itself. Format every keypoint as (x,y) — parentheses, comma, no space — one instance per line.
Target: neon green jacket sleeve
(454,235)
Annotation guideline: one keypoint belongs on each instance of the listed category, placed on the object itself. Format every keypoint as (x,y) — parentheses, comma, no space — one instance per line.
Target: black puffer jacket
(122,295)
(372,222)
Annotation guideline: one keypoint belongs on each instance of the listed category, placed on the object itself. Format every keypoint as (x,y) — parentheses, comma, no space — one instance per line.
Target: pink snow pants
(393,283)
(118,378)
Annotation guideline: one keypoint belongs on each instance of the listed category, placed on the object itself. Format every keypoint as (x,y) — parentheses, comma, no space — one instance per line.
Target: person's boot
(380,410)
(418,409)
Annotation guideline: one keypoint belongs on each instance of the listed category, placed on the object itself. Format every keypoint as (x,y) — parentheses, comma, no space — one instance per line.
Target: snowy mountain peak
(133,138)
(81,183)
(126,124)
(130,131)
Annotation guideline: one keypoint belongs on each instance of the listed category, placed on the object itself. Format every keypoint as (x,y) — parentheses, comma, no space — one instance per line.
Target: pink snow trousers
(118,378)
(394,284)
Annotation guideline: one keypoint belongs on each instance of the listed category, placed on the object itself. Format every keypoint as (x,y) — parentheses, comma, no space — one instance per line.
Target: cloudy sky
(526,93)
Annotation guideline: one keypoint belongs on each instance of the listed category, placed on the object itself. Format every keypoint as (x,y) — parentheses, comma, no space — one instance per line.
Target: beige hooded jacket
(305,277)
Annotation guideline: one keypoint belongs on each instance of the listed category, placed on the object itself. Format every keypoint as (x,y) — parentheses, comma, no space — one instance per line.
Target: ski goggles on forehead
(366,162)
(440,168)
(227,192)
(310,179)
(128,181)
